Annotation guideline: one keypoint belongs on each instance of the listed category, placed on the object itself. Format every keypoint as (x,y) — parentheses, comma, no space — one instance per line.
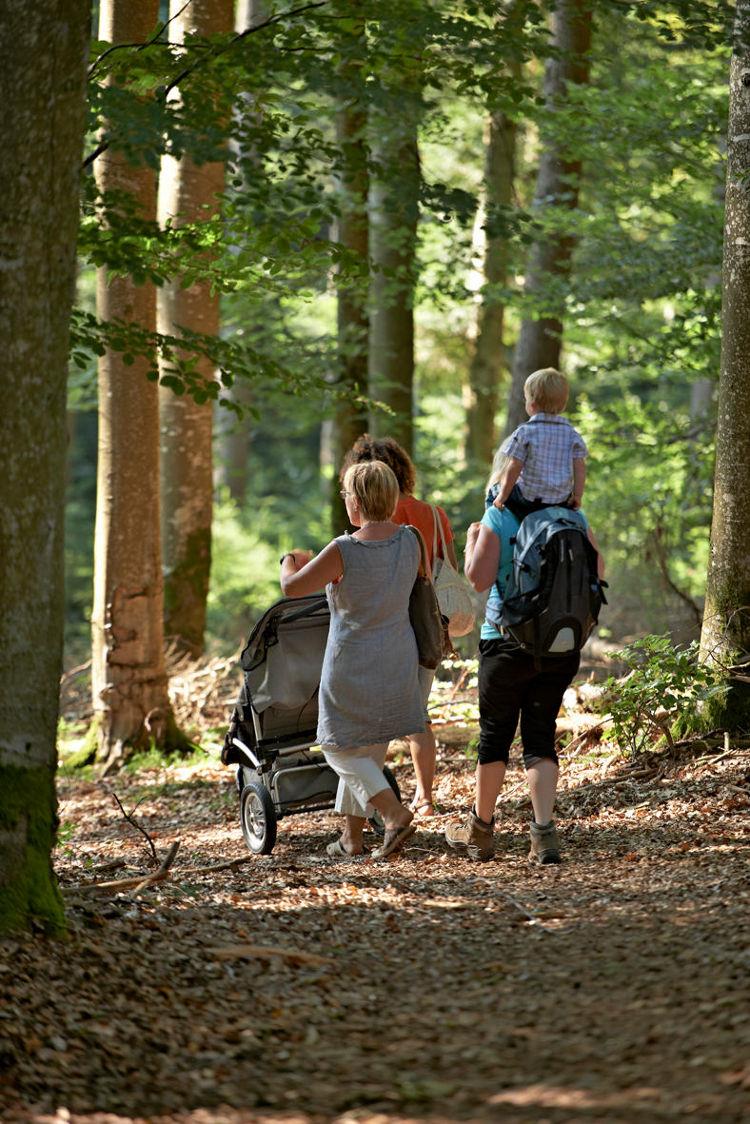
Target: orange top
(419,514)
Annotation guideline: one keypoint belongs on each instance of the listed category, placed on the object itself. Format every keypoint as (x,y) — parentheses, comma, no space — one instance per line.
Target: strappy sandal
(394,840)
(423,809)
(337,850)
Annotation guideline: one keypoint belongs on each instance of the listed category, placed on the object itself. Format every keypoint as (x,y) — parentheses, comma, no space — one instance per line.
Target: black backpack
(553,595)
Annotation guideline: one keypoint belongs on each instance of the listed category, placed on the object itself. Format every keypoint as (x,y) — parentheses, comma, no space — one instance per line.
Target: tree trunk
(188,193)
(487,361)
(349,417)
(42,84)
(233,433)
(129,682)
(540,339)
(394,211)
(725,639)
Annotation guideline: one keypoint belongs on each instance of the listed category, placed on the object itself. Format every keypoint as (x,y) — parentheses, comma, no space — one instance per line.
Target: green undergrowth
(665,694)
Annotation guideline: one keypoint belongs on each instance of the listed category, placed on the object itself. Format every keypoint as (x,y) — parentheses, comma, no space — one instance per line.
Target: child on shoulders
(543,462)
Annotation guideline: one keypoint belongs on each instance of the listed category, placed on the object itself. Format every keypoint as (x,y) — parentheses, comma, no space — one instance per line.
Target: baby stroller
(271,734)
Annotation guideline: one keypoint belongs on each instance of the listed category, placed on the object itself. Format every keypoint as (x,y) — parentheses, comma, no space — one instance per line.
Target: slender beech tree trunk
(725,638)
(349,418)
(129,682)
(394,212)
(232,432)
(487,362)
(42,83)
(188,193)
(540,339)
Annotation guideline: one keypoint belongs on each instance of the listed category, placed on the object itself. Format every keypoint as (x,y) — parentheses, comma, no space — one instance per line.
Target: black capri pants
(510,684)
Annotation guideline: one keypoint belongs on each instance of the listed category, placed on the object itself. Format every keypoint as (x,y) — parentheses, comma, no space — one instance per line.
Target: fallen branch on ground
(160,874)
(121,884)
(157,876)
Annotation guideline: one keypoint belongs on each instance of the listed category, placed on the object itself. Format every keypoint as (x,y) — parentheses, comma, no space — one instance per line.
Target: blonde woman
(419,514)
(369,689)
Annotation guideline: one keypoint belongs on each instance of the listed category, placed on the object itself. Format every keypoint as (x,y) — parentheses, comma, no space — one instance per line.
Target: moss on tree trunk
(28,823)
(42,84)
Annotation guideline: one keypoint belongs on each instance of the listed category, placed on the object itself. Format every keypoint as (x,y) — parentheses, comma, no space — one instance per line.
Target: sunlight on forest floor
(293,987)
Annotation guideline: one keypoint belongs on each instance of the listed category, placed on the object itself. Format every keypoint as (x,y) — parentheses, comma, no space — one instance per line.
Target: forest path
(615,987)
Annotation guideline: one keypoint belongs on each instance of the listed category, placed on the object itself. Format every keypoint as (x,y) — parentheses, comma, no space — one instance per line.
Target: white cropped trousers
(360,773)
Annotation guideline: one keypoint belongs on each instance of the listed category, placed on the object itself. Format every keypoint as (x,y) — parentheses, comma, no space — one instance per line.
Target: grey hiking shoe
(474,837)
(545,844)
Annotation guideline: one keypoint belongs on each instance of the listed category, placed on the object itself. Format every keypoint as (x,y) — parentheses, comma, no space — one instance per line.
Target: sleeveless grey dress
(369,691)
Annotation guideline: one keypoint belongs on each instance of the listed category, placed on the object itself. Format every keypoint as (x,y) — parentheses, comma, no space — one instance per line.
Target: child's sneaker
(545,844)
(473,836)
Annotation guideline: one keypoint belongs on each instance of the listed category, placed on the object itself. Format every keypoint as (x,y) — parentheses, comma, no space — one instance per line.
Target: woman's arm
(481,557)
(302,574)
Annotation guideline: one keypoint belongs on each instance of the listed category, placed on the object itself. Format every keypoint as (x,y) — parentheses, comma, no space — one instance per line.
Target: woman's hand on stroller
(303,572)
(298,559)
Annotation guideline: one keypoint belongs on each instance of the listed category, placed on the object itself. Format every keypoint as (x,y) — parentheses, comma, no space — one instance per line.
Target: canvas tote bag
(455,595)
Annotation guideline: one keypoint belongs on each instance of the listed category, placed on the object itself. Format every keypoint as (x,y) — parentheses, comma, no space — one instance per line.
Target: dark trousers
(519,505)
(510,684)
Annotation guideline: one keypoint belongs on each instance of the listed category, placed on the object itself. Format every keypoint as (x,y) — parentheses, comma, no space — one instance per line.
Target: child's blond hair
(376,489)
(547,389)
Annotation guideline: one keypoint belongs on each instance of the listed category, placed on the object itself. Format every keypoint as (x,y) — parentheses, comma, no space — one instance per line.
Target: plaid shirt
(547,444)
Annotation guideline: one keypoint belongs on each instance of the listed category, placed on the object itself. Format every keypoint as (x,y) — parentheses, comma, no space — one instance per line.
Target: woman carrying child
(369,690)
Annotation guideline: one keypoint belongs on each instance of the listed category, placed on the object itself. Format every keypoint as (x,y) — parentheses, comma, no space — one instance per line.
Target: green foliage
(664,685)
(641,311)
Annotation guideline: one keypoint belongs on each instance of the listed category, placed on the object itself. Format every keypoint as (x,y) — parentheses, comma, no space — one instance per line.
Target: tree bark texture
(349,417)
(394,212)
(129,681)
(188,193)
(725,637)
(487,364)
(540,339)
(42,84)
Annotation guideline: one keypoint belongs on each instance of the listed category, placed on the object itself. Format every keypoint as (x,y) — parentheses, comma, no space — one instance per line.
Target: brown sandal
(393,840)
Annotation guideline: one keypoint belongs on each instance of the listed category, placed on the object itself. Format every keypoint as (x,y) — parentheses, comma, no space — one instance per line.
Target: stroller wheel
(258,818)
(376,821)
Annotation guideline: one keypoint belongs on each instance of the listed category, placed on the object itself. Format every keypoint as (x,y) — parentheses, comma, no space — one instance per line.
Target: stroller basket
(273,726)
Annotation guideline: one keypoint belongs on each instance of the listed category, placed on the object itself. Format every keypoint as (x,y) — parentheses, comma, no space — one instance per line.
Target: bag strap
(424,560)
(438,526)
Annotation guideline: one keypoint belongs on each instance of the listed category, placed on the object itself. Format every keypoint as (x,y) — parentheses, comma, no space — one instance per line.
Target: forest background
(639,309)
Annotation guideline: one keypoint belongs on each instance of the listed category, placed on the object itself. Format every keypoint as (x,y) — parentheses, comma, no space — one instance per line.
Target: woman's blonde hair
(547,389)
(375,487)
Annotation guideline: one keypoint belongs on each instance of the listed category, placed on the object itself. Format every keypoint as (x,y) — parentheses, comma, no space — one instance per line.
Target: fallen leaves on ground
(300,988)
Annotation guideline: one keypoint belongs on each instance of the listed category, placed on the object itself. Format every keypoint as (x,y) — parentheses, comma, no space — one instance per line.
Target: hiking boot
(545,845)
(474,837)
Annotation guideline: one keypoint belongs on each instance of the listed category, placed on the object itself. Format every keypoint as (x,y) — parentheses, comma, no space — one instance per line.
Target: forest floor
(298,988)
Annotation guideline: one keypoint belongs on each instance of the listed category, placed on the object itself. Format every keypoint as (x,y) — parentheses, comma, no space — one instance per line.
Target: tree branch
(164,91)
(134,823)
(662,563)
(138,46)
